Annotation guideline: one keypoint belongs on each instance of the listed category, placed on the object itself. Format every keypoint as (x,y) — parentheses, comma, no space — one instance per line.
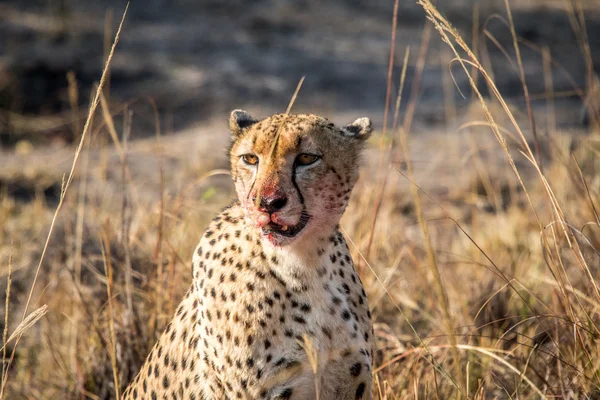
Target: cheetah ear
(239,120)
(359,129)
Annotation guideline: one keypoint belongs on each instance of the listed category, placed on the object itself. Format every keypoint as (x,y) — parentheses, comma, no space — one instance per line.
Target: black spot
(285,394)
(305,308)
(355,369)
(299,319)
(360,391)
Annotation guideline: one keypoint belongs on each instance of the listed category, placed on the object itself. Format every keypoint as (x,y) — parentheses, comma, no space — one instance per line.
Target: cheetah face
(294,174)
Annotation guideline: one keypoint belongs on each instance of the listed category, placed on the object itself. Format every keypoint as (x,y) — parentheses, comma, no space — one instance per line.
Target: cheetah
(276,309)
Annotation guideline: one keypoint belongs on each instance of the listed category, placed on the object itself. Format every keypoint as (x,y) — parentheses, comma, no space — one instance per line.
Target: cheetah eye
(250,159)
(306,159)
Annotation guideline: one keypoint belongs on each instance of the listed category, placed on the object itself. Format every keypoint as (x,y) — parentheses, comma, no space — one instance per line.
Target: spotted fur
(273,279)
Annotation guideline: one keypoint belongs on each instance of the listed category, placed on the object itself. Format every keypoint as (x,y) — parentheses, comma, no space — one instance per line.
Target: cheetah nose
(272,204)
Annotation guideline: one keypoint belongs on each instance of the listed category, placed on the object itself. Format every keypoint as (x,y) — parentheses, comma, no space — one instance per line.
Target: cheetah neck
(298,262)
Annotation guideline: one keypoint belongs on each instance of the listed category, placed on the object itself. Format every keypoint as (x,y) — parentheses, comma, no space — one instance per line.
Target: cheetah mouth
(288,231)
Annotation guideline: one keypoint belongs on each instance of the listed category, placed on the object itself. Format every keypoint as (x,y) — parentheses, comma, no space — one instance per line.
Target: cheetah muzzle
(273,276)
(272,228)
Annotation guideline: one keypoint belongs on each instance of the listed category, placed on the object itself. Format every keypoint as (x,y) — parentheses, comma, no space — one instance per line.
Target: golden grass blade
(108,120)
(108,273)
(74,102)
(6,314)
(293,99)
(27,323)
(523,82)
(400,88)
(312,353)
(384,133)
(471,124)
(390,67)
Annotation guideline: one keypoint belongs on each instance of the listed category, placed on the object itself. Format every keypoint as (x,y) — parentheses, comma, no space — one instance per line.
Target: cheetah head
(294,173)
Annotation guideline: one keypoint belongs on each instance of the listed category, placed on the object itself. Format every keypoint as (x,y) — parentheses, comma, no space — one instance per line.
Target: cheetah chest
(266,328)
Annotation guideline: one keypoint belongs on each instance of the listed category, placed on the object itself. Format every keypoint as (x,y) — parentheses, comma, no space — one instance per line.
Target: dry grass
(486,290)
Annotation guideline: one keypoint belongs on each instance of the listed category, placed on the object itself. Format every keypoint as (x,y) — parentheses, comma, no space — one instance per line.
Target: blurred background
(199,59)
(153,171)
